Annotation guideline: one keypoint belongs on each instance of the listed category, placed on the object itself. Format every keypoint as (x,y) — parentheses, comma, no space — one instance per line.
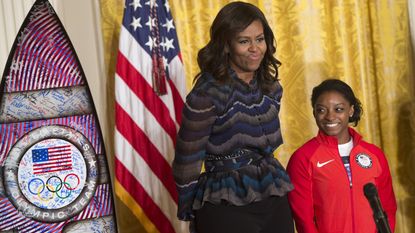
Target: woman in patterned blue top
(230,123)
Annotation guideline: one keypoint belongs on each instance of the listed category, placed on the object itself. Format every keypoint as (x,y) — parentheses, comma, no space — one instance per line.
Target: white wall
(81,19)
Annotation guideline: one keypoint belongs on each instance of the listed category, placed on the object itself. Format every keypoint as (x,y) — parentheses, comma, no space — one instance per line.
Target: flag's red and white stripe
(147,123)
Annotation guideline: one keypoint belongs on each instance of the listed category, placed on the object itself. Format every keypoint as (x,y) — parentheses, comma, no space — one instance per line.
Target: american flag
(52,159)
(150,88)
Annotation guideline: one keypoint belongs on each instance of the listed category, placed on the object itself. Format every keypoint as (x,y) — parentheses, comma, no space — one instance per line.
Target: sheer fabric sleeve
(198,117)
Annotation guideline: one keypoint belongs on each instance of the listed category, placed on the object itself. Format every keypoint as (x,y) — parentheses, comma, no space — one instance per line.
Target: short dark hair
(345,90)
(232,19)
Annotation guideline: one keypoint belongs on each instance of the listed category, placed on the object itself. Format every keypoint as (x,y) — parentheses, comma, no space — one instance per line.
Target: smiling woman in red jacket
(330,170)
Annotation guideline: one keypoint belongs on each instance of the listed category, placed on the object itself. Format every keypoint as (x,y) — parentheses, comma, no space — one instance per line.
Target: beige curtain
(365,43)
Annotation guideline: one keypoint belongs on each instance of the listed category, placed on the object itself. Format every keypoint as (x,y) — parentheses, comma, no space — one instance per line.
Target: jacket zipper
(351,190)
(352,202)
(351,187)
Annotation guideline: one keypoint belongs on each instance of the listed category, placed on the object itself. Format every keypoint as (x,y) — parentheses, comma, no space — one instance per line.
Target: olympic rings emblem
(49,198)
(53,184)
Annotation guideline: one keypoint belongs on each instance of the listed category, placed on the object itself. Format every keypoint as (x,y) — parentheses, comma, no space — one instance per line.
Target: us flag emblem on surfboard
(53,169)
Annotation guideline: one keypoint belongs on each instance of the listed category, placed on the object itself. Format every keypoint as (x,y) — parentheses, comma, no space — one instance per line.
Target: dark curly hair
(345,90)
(231,20)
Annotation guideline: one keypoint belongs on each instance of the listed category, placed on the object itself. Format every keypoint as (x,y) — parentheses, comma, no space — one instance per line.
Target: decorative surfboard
(53,169)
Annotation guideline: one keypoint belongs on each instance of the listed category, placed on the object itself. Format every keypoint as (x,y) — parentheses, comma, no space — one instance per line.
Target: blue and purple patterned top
(233,129)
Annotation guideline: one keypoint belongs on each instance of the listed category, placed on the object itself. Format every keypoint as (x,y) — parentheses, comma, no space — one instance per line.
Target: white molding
(411,11)
(12,14)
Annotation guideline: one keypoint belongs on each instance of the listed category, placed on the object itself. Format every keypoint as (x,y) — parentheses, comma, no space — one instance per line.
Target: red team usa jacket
(323,199)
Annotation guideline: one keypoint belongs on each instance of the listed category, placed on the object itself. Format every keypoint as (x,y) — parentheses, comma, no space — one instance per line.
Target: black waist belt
(233,161)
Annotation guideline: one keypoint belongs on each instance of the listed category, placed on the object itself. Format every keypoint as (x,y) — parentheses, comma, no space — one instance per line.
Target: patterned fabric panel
(219,120)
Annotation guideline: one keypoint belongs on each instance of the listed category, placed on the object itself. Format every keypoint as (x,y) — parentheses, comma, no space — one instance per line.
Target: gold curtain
(365,43)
